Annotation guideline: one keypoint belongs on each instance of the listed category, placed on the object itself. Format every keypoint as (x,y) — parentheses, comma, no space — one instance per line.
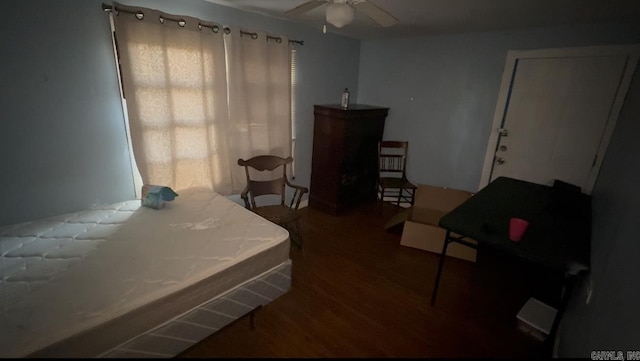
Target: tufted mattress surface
(64,275)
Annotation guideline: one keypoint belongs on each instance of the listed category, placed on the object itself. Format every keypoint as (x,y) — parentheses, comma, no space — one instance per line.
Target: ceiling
(434,17)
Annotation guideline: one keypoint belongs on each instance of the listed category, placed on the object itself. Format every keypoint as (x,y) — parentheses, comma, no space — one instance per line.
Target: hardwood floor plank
(356,292)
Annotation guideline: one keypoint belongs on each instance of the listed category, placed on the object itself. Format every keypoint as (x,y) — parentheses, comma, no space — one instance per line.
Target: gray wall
(63,146)
(610,320)
(442,92)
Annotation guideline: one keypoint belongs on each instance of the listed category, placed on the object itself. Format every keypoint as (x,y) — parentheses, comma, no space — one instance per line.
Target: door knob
(500,161)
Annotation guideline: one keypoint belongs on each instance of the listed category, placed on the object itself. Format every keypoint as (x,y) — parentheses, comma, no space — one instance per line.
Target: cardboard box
(536,319)
(421,221)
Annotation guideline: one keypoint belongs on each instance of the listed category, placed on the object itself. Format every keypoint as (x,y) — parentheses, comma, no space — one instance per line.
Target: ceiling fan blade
(303,8)
(376,13)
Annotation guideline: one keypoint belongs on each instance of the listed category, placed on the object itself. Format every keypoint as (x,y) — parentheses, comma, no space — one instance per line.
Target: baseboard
(305,202)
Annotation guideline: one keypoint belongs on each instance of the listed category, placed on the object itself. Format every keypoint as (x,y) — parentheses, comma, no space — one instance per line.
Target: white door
(559,111)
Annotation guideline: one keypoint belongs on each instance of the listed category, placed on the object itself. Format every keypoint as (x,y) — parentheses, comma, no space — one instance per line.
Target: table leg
(569,284)
(442,256)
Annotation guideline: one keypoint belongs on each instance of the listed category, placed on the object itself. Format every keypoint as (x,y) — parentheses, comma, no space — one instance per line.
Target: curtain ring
(139,15)
(199,26)
(182,23)
(161,19)
(215,29)
(278,40)
(254,36)
(227,30)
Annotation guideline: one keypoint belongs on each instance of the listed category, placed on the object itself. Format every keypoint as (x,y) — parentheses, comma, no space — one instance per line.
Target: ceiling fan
(341,12)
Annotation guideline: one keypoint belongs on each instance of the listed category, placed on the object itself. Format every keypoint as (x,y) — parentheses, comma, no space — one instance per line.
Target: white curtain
(259,75)
(193,108)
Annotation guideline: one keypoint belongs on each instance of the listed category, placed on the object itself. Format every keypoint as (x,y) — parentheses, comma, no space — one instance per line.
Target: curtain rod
(181,22)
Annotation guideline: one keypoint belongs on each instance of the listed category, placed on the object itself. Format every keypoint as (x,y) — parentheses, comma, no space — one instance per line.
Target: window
(199,100)
(294,86)
(137,178)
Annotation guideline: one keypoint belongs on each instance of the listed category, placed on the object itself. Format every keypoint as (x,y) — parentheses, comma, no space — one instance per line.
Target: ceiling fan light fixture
(340,14)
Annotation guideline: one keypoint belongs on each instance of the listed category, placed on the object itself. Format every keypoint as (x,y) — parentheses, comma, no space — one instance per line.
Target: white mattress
(68,274)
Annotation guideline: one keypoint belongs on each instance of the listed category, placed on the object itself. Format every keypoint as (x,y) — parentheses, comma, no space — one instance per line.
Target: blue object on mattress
(156,197)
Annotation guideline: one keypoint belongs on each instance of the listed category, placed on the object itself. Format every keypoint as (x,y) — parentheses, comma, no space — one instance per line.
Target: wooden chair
(392,175)
(282,214)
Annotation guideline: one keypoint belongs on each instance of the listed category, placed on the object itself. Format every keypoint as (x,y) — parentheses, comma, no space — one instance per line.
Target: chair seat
(391,182)
(278,214)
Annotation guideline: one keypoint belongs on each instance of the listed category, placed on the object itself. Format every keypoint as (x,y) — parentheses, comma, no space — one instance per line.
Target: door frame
(631,51)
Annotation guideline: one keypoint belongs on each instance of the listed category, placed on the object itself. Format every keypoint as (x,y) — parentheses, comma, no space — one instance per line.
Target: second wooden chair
(393,184)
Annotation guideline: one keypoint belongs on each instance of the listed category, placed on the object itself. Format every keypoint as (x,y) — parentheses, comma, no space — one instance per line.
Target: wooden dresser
(345,151)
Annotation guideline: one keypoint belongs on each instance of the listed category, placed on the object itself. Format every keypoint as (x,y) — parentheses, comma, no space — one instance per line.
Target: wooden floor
(356,292)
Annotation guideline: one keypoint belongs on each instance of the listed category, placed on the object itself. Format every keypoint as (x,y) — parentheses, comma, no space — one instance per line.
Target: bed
(123,280)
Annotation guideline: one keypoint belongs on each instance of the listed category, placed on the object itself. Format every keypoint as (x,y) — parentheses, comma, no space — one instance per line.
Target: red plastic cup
(517,226)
